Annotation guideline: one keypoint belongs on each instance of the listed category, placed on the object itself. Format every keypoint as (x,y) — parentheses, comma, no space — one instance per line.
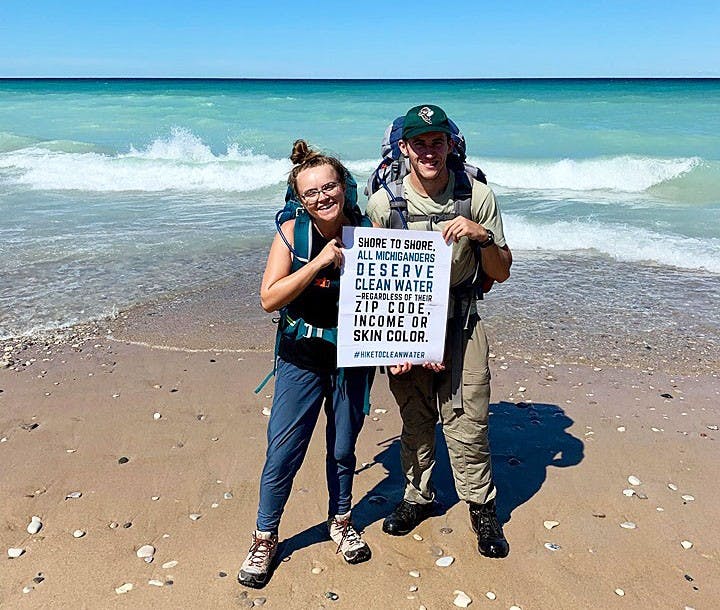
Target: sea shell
(156,583)
(633,480)
(550,524)
(14,553)
(414,573)
(628,525)
(34,525)
(628,492)
(490,595)
(462,599)
(686,544)
(78,533)
(146,550)
(444,562)
(124,588)
(688,498)
(551,546)
(73,495)
(619,592)
(672,486)
(169,565)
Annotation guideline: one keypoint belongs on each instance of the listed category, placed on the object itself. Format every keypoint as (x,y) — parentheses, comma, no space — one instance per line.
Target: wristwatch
(489,241)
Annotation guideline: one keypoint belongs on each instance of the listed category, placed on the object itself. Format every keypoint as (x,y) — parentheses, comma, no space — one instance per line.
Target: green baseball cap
(423,119)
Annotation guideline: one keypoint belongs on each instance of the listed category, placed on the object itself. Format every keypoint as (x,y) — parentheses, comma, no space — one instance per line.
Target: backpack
(301,249)
(394,167)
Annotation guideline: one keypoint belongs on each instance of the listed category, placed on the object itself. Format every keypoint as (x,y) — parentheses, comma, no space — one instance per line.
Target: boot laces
(349,534)
(260,550)
(489,525)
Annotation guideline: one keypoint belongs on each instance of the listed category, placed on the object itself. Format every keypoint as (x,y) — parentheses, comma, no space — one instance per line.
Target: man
(458,389)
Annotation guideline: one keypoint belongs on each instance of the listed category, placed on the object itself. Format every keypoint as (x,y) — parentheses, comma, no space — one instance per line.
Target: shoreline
(653,331)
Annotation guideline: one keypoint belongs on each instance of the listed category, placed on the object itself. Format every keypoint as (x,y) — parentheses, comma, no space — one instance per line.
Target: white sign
(394,291)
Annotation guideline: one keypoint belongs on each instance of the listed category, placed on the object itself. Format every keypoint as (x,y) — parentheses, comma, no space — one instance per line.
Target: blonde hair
(304,157)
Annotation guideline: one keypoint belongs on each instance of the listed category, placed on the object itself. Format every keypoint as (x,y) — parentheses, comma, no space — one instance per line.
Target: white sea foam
(180,162)
(621,242)
(625,174)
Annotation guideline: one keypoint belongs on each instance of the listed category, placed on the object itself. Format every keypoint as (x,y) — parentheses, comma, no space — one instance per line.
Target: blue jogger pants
(299,395)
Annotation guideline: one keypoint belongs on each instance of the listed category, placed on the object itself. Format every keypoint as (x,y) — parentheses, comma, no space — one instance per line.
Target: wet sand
(565,438)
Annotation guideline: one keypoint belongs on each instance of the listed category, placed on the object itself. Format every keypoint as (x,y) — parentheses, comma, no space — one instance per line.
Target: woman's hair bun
(301,152)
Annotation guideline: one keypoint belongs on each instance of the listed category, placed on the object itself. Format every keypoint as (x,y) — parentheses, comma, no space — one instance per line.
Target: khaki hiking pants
(424,396)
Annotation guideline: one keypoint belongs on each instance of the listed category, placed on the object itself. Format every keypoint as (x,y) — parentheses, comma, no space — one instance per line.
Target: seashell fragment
(628,492)
(444,562)
(686,544)
(78,533)
(633,480)
(146,550)
(195,516)
(490,595)
(672,486)
(550,524)
(621,428)
(34,526)
(128,586)
(316,570)
(417,537)
(157,415)
(73,495)
(462,599)
(551,546)
(619,592)
(688,498)
(266,411)
(628,525)
(14,553)
(156,583)
(414,573)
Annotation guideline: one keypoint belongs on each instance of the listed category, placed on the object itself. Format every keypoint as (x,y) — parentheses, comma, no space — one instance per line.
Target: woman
(307,376)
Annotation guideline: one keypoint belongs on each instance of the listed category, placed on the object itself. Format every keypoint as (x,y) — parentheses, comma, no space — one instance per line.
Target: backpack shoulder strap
(302,241)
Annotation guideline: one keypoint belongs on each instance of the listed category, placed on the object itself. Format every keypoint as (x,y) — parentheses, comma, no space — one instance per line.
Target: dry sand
(565,439)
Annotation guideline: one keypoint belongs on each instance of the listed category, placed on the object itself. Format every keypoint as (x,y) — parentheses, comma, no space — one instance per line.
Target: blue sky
(334,39)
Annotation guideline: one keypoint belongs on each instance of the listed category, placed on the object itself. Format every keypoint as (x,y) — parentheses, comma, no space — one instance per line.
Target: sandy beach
(144,430)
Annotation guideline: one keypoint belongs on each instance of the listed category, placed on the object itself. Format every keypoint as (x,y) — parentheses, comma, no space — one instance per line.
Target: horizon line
(357,79)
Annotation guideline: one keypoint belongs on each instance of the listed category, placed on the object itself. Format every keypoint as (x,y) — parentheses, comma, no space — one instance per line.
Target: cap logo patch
(426,114)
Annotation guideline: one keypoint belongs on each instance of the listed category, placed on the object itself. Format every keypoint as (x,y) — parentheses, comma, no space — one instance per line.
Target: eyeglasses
(312,195)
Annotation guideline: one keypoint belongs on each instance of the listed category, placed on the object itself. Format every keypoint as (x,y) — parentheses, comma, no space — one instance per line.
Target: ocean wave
(621,242)
(179,162)
(624,174)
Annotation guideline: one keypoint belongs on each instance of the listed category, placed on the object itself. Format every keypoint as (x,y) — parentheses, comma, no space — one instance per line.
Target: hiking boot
(406,517)
(255,570)
(490,537)
(353,548)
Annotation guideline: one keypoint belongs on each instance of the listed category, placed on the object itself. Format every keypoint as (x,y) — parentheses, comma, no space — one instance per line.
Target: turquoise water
(116,192)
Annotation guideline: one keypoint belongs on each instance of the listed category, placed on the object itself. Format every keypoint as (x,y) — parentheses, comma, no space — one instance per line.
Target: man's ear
(402,145)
